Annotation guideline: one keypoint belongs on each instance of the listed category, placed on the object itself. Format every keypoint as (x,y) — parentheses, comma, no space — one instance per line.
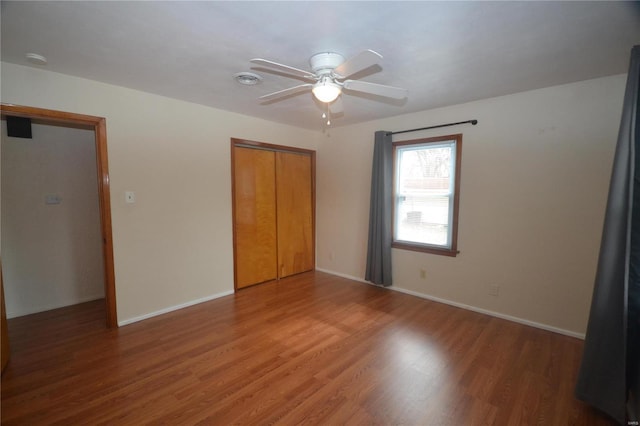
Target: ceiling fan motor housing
(325,63)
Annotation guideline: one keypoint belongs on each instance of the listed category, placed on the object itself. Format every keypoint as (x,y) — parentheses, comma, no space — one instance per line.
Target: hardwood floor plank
(309,349)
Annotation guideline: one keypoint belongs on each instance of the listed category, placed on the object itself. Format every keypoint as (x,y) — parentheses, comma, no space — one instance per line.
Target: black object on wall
(19,127)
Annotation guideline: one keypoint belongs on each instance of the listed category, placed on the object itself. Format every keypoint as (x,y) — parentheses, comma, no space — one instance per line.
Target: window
(426,192)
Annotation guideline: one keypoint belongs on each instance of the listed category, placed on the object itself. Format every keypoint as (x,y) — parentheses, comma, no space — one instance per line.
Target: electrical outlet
(423,274)
(494,290)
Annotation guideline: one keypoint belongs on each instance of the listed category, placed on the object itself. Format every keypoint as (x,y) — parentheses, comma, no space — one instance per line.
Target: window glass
(425,213)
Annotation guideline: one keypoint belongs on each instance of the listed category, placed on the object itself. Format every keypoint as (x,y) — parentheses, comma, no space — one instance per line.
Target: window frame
(421,247)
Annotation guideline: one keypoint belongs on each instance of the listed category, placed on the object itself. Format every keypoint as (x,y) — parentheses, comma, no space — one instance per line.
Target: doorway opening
(98,124)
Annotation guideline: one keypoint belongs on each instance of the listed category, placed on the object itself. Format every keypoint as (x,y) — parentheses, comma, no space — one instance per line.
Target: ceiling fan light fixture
(326,90)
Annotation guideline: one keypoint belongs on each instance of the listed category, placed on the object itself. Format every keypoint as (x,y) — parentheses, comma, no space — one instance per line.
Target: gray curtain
(609,374)
(380,231)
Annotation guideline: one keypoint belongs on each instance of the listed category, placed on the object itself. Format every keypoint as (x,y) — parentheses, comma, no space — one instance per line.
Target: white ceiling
(444,53)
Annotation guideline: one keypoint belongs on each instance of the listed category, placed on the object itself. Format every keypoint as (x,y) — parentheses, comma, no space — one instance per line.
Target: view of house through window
(426,193)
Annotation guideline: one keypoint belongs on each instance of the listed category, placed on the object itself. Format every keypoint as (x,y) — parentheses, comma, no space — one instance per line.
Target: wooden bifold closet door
(272,213)
(294,217)
(255,216)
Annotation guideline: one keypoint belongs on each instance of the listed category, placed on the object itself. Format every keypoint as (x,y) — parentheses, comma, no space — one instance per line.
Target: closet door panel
(295,213)
(255,216)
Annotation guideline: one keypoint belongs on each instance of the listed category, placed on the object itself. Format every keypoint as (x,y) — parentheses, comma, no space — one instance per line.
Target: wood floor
(310,349)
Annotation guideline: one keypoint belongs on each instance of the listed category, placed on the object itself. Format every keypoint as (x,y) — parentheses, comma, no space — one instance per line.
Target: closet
(273,211)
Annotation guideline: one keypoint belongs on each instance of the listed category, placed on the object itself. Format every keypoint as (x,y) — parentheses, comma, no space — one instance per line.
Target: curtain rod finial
(474,122)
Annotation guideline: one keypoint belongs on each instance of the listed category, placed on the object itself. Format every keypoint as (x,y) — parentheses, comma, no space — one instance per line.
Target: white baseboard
(174,308)
(464,306)
(48,307)
(349,277)
(491,313)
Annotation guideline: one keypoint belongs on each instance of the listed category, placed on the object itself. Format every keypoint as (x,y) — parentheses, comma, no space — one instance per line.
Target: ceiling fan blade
(284,68)
(361,61)
(337,107)
(376,89)
(286,92)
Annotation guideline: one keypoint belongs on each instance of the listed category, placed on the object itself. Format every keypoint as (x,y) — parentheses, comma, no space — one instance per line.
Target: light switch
(129,197)
(52,199)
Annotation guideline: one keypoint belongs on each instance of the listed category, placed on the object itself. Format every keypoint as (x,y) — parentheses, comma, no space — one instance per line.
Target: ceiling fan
(330,76)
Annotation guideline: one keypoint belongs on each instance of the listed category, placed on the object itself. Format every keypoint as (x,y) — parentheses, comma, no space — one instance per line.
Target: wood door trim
(270,147)
(245,143)
(4,333)
(100,129)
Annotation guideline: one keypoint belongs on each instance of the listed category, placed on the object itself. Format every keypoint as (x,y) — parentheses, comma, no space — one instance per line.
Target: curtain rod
(474,122)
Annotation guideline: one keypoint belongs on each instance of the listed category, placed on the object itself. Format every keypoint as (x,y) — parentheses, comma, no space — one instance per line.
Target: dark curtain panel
(380,231)
(608,377)
(633,318)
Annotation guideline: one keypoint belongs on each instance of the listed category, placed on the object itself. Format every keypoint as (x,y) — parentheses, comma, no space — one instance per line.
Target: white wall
(534,183)
(52,255)
(174,245)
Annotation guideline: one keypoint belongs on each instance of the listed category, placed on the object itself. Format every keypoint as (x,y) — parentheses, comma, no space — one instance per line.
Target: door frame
(244,143)
(100,130)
